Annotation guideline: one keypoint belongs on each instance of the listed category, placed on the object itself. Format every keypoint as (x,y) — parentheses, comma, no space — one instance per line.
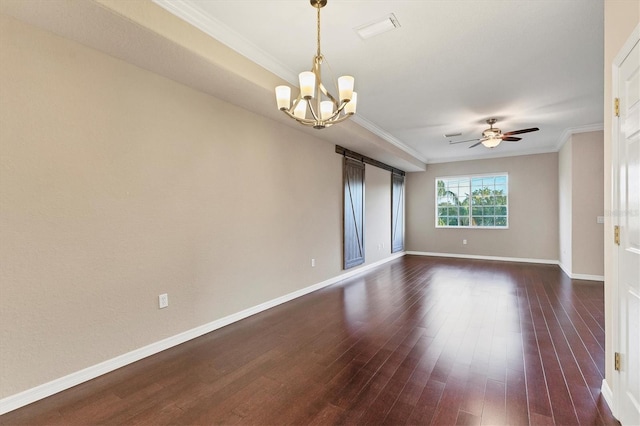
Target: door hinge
(616,107)
(616,361)
(616,235)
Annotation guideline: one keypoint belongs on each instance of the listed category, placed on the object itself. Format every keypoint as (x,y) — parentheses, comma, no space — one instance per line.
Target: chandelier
(315,105)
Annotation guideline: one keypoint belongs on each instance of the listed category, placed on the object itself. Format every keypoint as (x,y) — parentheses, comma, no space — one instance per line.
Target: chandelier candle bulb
(307,84)
(300,111)
(350,107)
(326,109)
(283,96)
(345,87)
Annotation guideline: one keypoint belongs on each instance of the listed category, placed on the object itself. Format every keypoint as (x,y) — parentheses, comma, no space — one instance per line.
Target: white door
(627,140)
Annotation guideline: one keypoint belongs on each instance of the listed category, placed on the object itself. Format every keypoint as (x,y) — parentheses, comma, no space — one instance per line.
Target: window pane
(482,197)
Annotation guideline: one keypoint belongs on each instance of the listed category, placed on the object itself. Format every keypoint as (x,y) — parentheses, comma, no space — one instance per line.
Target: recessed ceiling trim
(388,137)
(492,154)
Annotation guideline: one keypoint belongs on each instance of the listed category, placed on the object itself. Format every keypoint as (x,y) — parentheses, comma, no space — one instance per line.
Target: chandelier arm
(317,70)
(304,121)
(339,120)
(327,94)
(336,113)
(313,112)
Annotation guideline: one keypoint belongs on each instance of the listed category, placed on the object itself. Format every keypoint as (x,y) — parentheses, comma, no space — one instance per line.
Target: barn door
(353,217)
(397,212)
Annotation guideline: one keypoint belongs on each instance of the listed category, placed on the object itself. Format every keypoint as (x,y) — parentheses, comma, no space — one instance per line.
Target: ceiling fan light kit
(491,142)
(492,137)
(315,105)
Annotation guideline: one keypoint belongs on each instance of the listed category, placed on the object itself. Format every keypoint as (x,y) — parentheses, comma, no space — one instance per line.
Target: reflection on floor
(415,341)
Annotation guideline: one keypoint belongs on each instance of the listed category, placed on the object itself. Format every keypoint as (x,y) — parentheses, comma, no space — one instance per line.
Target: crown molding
(189,13)
(575,130)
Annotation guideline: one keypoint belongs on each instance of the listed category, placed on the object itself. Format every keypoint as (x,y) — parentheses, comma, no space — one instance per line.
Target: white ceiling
(451,65)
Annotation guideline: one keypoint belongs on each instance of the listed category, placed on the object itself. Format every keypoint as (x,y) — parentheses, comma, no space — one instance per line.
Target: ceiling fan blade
(518,132)
(475,144)
(510,139)
(468,140)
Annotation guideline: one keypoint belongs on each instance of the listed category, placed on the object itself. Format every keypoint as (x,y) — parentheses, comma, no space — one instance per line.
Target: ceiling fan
(493,136)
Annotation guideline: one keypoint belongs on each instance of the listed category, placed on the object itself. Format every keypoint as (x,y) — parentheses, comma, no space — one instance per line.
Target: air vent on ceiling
(388,23)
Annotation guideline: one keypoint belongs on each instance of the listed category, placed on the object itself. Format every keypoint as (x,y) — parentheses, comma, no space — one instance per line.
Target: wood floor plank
(418,341)
(517,408)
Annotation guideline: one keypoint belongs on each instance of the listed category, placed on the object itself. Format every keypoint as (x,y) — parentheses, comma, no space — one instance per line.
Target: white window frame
(470,178)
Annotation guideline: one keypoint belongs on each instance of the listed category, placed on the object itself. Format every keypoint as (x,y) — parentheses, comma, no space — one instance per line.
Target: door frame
(616,341)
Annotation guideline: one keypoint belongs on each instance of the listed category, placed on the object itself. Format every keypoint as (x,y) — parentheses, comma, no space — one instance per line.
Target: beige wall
(377,213)
(620,18)
(533,210)
(564,205)
(117,185)
(581,191)
(588,203)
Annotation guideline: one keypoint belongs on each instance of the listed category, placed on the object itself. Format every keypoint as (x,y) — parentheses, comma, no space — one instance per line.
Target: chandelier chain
(318,30)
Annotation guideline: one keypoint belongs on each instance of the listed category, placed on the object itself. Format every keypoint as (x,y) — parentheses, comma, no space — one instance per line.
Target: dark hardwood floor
(416,341)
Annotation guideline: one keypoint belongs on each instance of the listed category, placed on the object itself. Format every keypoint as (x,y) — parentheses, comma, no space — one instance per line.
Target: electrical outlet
(464,242)
(313,263)
(163,300)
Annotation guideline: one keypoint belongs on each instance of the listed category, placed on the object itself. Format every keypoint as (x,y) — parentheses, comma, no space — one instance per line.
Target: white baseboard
(474,256)
(28,396)
(565,269)
(607,394)
(587,277)
(513,259)
(580,276)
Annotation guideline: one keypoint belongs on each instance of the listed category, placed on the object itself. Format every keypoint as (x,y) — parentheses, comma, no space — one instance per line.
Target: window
(472,201)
